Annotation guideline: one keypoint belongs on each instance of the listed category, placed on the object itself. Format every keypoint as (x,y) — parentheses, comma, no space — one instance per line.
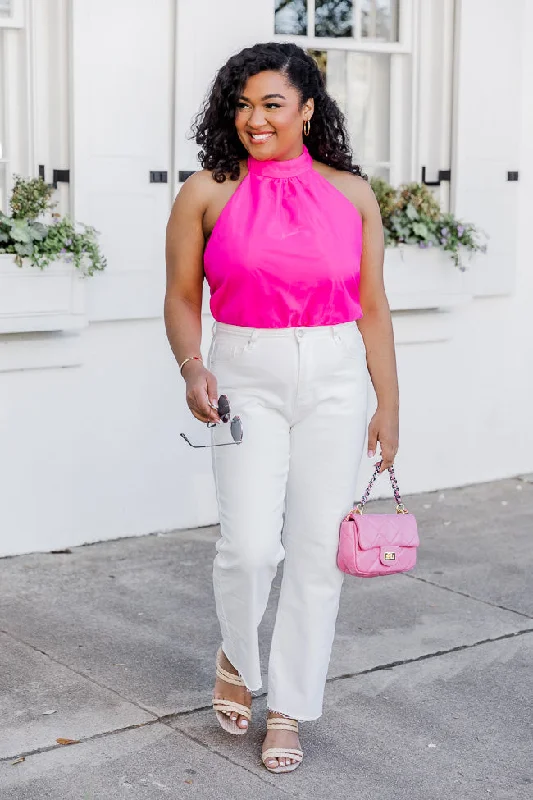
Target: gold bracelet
(190,358)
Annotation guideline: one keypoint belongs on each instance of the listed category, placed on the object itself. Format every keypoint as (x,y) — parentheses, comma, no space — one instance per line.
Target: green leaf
(24,249)
(20,231)
(411,211)
(420,229)
(38,231)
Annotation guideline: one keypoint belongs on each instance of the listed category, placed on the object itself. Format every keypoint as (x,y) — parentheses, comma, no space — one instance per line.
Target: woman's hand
(384,428)
(201,391)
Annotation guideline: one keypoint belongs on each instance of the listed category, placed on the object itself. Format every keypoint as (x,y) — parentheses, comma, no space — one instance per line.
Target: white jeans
(301,394)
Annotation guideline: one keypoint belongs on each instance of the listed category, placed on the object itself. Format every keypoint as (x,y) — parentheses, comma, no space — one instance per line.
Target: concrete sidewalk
(429,697)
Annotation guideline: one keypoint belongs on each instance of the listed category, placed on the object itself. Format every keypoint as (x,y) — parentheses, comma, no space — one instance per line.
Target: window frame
(16,99)
(404,44)
(16,17)
(402,164)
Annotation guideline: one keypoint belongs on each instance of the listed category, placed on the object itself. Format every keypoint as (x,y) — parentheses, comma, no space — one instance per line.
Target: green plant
(30,198)
(386,197)
(25,237)
(411,215)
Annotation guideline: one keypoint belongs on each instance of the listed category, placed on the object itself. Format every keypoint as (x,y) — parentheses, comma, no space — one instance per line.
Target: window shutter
(487,139)
(227,27)
(121,88)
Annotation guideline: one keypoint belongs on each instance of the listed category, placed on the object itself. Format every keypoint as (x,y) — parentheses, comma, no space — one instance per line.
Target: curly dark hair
(214,126)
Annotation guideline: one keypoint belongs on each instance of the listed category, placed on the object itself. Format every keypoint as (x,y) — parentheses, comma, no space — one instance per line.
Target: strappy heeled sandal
(279,724)
(224,707)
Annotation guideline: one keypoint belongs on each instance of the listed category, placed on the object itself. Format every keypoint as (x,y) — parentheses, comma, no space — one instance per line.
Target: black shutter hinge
(444,175)
(158,177)
(60,176)
(184,174)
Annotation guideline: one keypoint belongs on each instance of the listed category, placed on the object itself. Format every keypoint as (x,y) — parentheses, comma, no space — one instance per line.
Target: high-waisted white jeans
(302,396)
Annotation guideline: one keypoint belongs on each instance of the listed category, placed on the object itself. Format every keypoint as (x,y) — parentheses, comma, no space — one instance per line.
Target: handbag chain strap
(400,508)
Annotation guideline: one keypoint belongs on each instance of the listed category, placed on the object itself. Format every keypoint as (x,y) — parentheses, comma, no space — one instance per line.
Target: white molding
(45,350)
(353,45)
(407,11)
(29,56)
(423,327)
(415,92)
(311,15)
(454,132)
(31,299)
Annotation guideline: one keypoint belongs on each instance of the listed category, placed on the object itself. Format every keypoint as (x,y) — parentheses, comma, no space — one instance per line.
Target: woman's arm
(183,298)
(376,329)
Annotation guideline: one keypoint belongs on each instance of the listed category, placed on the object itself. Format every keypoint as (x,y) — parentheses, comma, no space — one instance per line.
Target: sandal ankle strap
(226,676)
(277,723)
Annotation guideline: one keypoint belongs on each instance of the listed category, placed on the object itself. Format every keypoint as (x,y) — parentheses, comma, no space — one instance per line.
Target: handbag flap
(378,530)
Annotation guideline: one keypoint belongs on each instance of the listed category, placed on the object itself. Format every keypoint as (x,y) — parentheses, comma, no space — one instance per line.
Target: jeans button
(299,333)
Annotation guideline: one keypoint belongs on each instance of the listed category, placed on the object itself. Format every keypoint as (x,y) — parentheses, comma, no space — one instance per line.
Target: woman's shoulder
(355,188)
(201,187)
(198,185)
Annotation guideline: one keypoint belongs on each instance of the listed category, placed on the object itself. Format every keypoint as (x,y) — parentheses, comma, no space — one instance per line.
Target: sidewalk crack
(100,735)
(263,778)
(469,596)
(426,656)
(165,719)
(79,672)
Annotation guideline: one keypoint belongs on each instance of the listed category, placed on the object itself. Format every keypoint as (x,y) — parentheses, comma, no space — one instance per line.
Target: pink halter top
(285,251)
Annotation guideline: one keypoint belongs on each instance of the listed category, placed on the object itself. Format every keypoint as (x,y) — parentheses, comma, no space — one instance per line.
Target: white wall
(91,452)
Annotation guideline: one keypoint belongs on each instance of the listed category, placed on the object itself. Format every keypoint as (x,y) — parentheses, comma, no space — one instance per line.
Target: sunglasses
(224,413)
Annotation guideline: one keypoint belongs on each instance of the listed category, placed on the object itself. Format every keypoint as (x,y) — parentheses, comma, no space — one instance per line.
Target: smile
(260,137)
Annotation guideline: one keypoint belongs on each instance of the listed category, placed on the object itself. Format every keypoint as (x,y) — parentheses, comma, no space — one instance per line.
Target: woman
(294,260)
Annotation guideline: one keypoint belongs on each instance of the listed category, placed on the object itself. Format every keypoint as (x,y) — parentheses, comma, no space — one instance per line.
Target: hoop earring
(307,127)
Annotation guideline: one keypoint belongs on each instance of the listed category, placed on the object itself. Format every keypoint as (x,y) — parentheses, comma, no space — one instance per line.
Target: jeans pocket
(227,349)
(350,341)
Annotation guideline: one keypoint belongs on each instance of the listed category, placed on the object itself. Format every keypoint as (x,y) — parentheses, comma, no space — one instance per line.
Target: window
(11,13)
(364,49)
(358,19)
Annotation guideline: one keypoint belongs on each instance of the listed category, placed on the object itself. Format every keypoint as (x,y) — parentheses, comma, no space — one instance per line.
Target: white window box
(418,278)
(31,299)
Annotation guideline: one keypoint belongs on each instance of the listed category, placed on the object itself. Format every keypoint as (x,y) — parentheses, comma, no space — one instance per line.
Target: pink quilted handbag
(378,544)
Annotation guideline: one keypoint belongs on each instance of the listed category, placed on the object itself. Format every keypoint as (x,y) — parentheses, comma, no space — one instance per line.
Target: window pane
(360,83)
(379,20)
(291,17)
(5,8)
(334,18)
